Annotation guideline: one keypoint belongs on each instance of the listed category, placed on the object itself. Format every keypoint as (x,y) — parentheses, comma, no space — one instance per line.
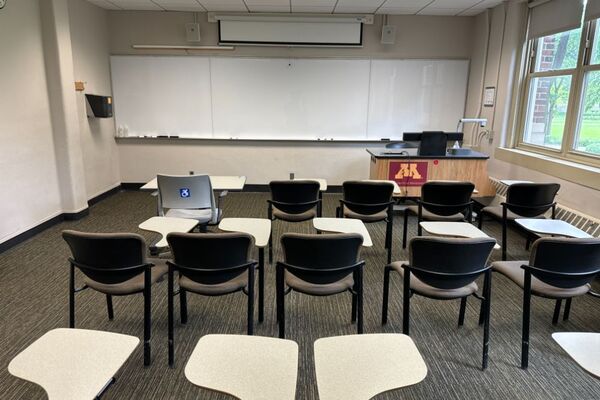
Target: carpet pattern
(34,299)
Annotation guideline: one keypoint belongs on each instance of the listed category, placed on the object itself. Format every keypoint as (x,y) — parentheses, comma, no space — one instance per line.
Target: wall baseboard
(20,238)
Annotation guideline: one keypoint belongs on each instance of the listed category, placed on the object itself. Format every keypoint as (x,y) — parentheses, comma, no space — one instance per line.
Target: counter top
(395,153)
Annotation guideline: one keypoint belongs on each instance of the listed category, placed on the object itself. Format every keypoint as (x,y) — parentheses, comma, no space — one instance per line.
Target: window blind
(554,16)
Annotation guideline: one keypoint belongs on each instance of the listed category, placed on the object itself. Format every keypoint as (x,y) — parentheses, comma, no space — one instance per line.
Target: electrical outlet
(292,175)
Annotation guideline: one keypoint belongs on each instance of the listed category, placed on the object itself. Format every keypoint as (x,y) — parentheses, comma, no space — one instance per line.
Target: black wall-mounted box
(99,106)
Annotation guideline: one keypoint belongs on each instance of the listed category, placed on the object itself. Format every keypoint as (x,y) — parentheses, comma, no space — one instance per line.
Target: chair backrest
(576,260)
(107,257)
(453,197)
(314,253)
(295,194)
(210,258)
(449,263)
(531,199)
(367,197)
(433,144)
(185,191)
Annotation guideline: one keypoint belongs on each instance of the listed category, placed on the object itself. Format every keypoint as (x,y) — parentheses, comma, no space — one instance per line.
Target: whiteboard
(286,99)
(416,95)
(257,98)
(162,95)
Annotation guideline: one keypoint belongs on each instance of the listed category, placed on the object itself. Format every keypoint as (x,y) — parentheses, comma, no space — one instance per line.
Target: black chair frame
(527,293)
(389,220)
(468,207)
(249,266)
(275,203)
(109,305)
(484,316)
(356,291)
(505,208)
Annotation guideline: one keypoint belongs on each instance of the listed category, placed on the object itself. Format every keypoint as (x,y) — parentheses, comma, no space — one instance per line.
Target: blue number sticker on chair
(184,192)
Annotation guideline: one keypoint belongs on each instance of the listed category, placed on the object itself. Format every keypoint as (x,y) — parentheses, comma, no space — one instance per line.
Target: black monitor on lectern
(432,143)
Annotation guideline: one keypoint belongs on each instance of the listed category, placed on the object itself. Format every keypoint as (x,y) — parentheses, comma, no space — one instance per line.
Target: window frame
(567,149)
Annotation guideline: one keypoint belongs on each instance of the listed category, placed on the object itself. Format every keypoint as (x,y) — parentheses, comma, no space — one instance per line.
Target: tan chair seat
(428,215)
(316,289)
(305,216)
(422,288)
(496,211)
(133,285)
(201,215)
(513,271)
(380,216)
(238,283)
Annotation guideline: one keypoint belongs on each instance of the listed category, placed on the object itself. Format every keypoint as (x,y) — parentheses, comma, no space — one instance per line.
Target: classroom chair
(209,264)
(558,268)
(188,196)
(523,200)
(320,265)
(444,269)
(369,202)
(441,201)
(114,264)
(292,201)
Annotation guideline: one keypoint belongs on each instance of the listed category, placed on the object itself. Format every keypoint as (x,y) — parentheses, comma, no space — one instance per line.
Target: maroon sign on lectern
(408,173)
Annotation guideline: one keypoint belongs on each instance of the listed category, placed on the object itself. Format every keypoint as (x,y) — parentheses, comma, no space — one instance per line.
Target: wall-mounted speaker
(388,34)
(192,32)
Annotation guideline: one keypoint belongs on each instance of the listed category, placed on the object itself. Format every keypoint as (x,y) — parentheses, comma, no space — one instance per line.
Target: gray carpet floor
(34,299)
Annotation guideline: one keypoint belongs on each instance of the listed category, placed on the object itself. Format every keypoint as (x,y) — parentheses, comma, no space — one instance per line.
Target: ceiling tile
(268,5)
(313,6)
(136,5)
(405,3)
(104,4)
(450,4)
(224,5)
(357,6)
(440,11)
(399,10)
(180,5)
(472,11)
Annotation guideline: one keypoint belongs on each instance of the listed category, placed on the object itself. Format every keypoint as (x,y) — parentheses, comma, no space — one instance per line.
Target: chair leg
(354,301)
(171,339)
(251,301)
(567,309)
(556,314)
(359,288)
(527,242)
(406,304)
(261,284)
(405,229)
(280,302)
(147,315)
(526,321)
(388,234)
(386,294)
(487,293)
(72,297)
(479,220)
(271,245)
(461,313)
(109,307)
(183,306)
(203,228)
(338,212)
(504,223)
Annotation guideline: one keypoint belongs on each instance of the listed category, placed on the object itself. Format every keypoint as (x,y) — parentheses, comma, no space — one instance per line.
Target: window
(561,107)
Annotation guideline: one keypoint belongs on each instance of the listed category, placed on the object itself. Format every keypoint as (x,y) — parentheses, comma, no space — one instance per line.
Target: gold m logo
(408,170)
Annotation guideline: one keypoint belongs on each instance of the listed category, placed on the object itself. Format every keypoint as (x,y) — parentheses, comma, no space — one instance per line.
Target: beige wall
(29,183)
(90,41)
(416,37)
